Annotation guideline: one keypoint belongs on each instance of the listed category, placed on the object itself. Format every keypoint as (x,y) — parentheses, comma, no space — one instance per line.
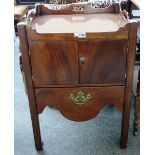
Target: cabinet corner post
(29,83)
(128,84)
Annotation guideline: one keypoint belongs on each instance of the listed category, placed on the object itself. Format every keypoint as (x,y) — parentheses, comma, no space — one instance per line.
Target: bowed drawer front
(80,103)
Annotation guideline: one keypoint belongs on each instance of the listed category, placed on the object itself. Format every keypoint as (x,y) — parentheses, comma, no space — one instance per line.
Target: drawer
(80,103)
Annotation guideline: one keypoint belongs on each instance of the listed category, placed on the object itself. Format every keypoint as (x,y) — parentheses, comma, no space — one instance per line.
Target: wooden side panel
(60,98)
(54,62)
(105,61)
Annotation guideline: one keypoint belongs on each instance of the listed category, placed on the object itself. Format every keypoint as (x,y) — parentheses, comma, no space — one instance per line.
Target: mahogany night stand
(78,58)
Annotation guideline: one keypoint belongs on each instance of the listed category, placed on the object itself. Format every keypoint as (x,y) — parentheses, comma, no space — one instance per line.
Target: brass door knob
(82,60)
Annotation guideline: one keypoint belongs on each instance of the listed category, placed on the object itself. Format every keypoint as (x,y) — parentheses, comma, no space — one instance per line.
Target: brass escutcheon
(80,98)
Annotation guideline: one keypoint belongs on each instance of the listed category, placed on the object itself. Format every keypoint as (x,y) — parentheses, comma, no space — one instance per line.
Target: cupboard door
(102,61)
(54,63)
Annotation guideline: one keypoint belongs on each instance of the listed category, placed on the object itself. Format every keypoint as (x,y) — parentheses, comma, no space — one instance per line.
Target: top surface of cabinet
(78,23)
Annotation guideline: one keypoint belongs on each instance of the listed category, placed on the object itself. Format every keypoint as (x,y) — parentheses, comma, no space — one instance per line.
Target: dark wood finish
(54,58)
(105,61)
(29,83)
(128,84)
(78,75)
(59,97)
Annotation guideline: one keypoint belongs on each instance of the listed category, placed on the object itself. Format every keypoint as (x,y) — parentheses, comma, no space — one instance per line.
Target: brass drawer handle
(80,98)
(82,60)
